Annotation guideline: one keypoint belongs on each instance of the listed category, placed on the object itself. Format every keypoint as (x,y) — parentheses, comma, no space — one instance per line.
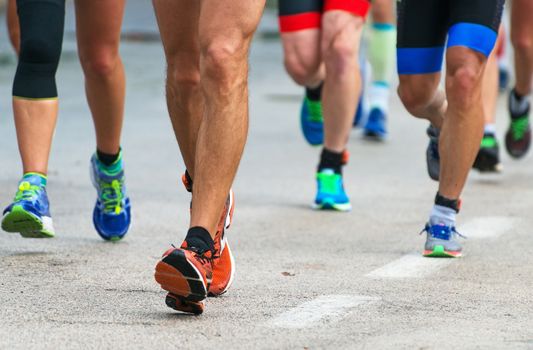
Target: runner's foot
(112,211)
(223,261)
(442,241)
(330,192)
(29,214)
(488,157)
(518,136)
(376,125)
(186,273)
(312,121)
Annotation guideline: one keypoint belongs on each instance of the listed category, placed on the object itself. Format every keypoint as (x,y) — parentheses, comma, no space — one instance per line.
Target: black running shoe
(432,153)
(488,157)
(518,136)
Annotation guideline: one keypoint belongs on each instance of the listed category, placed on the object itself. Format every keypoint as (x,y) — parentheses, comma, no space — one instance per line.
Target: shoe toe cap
(112,226)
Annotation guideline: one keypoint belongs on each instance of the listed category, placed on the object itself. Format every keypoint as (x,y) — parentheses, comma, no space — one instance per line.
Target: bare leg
(98,31)
(462,129)
(302,57)
(421,97)
(13,25)
(185,99)
(522,39)
(35,139)
(340,44)
(383,11)
(225,31)
(490,85)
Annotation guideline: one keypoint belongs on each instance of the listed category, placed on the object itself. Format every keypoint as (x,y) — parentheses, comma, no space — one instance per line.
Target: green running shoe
(330,193)
(488,157)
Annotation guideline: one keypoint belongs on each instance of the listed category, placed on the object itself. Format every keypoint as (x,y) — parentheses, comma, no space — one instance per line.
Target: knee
(340,57)
(224,62)
(414,98)
(99,63)
(302,70)
(38,49)
(522,43)
(183,74)
(461,83)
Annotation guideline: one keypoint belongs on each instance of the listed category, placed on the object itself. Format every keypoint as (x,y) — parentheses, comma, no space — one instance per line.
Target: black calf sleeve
(41,37)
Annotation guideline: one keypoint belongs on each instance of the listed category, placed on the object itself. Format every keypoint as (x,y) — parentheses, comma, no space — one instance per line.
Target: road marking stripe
(487,227)
(410,266)
(326,307)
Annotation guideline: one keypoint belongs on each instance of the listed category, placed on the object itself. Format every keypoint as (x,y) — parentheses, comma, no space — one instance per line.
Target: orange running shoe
(186,274)
(223,262)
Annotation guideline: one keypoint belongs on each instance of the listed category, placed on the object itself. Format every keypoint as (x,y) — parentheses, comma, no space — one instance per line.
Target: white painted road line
(327,307)
(487,227)
(410,266)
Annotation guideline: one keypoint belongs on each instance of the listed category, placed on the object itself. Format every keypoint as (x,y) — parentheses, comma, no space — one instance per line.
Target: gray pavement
(305,279)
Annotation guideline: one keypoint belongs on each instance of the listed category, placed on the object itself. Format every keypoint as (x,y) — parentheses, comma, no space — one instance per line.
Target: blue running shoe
(504,77)
(359,113)
(312,122)
(331,194)
(112,212)
(29,214)
(376,125)
(442,241)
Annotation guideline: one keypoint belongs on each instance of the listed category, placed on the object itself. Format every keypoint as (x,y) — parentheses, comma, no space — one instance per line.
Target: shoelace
(315,111)
(200,256)
(112,196)
(27,191)
(453,230)
(519,127)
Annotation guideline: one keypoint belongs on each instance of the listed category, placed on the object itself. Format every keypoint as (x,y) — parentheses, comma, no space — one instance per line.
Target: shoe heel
(178,303)
(181,279)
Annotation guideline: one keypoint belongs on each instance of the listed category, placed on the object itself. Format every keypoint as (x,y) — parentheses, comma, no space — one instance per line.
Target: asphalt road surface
(305,279)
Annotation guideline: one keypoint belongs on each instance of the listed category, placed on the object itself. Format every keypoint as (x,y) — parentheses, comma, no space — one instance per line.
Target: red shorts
(295,15)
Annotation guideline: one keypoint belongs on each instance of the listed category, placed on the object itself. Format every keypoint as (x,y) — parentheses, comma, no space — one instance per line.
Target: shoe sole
(486,164)
(181,279)
(333,206)
(180,304)
(27,224)
(374,136)
(440,252)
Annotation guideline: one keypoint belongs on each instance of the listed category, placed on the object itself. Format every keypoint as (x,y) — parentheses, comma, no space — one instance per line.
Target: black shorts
(295,15)
(424,26)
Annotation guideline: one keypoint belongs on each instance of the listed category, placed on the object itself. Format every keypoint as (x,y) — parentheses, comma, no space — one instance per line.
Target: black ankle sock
(454,204)
(106,158)
(331,160)
(314,94)
(199,238)
(518,104)
(517,96)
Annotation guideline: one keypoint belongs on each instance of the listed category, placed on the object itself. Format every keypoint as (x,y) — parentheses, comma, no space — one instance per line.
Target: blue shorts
(426,27)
